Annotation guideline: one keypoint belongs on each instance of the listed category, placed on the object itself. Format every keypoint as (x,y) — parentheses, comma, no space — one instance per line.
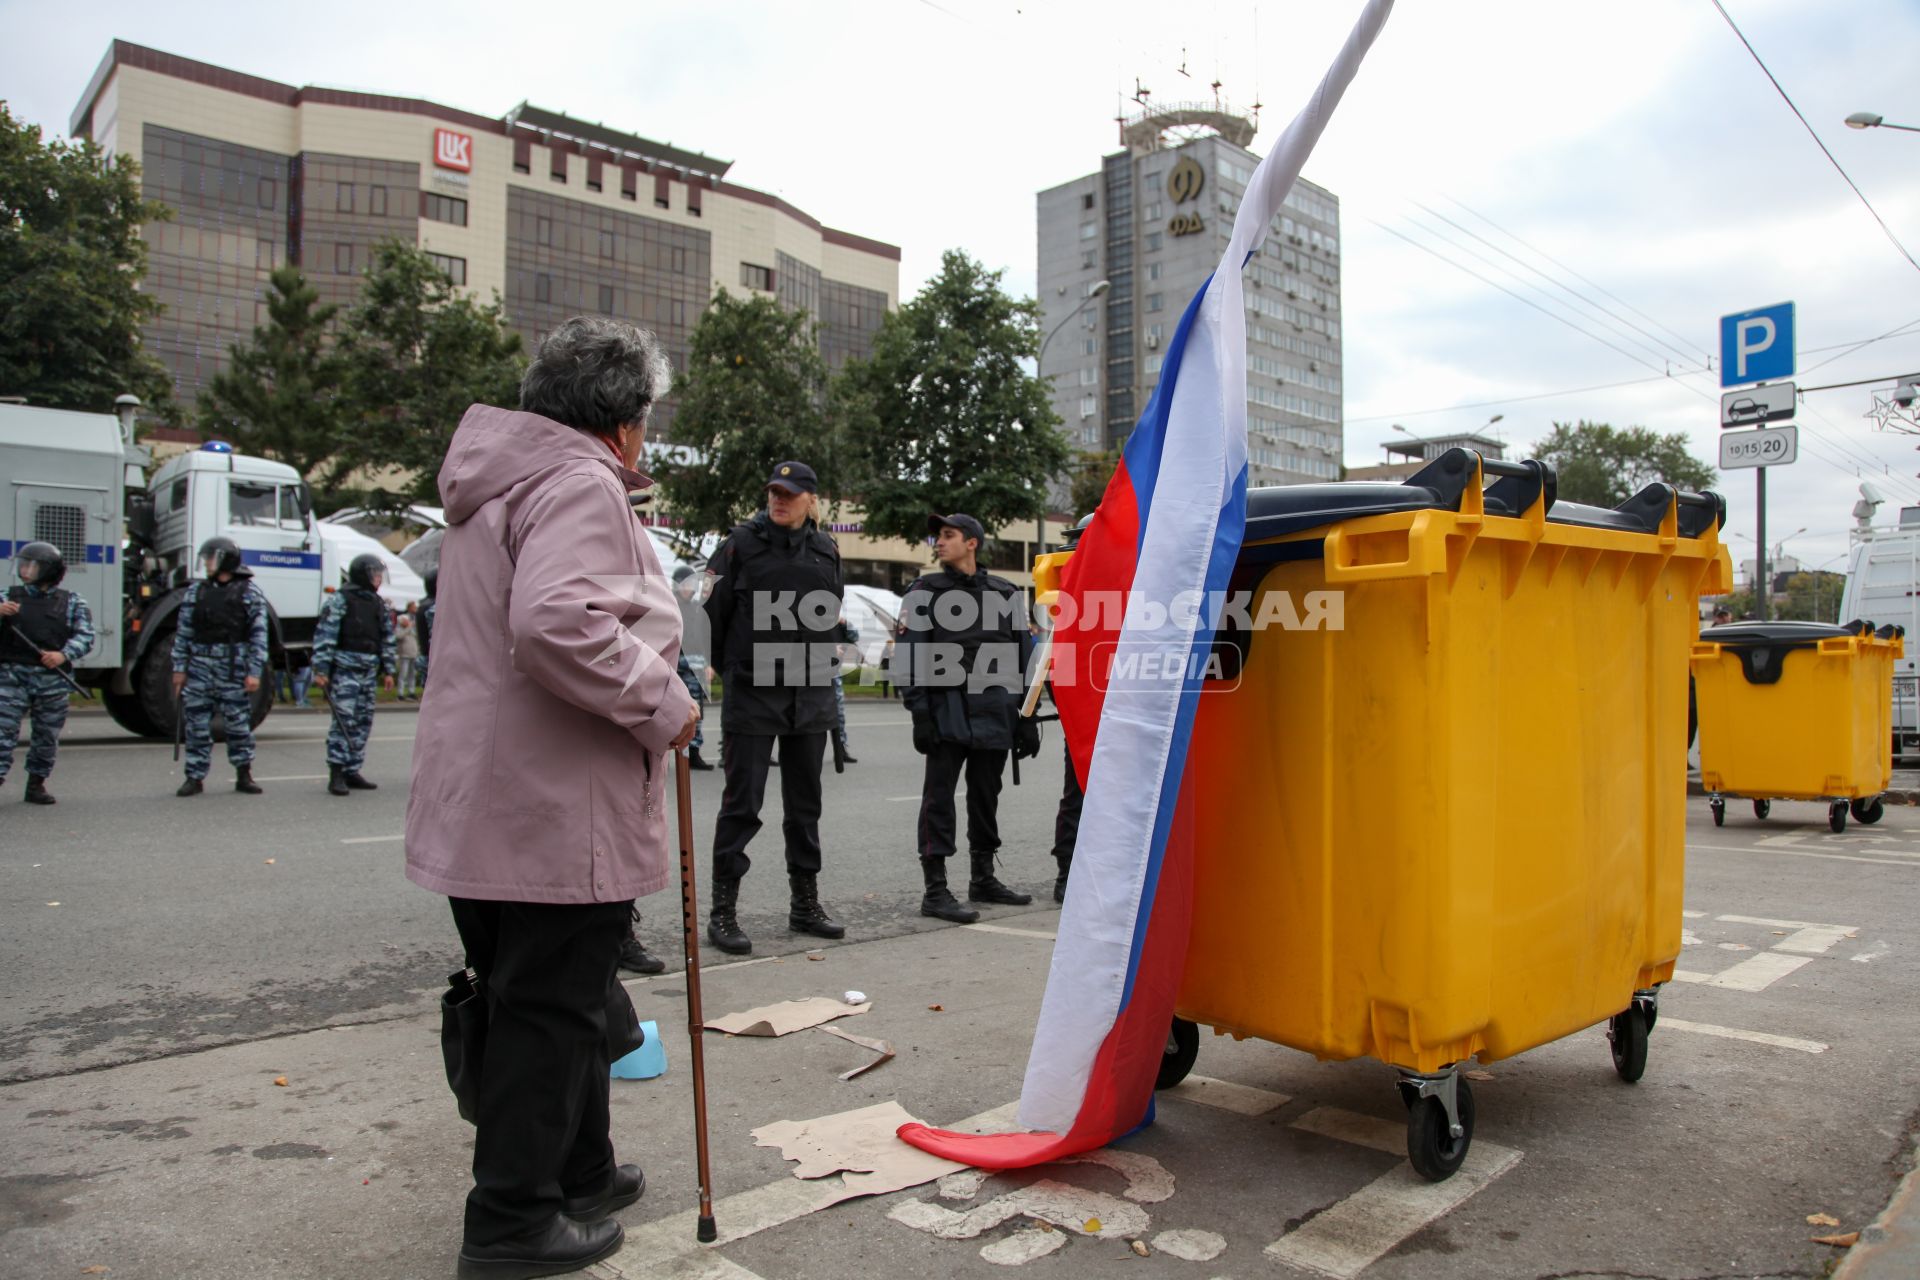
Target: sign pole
(1760,583)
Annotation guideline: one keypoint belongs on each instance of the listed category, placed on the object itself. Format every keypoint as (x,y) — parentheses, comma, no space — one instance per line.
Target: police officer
(43,630)
(352,646)
(425,624)
(966,650)
(219,655)
(692,667)
(777,592)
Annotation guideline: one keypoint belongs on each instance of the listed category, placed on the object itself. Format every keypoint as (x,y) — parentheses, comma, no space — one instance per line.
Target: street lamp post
(1040,369)
(1868,120)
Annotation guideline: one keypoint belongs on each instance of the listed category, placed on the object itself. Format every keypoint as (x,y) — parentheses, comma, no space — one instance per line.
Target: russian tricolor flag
(1168,529)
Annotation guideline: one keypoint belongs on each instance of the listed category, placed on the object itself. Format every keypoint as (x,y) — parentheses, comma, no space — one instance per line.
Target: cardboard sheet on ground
(785,1017)
(860,1146)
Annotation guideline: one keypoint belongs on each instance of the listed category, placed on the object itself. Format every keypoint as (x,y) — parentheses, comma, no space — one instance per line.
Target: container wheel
(1837,816)
(1436,1154)
(1761,808)
(1719,808)
(1868,811)
(1627,1031)
(1183,1047)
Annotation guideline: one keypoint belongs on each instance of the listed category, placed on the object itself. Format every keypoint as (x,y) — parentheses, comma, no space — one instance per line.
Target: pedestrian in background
(44,630)
(692,668)
(406,648)
(353,648)
(219,654)
(540,775)
(886,671)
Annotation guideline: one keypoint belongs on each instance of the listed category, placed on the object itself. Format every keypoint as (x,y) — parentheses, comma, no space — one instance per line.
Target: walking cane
(706,1232)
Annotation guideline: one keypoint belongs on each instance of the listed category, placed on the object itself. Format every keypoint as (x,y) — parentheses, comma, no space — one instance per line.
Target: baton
(704,1231)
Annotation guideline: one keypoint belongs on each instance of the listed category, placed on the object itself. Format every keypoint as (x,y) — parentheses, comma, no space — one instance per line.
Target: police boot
(37,790)
(723,930)
(1060,881)
(984,887)
(191,787)
(694,761)
(938,901)
(805,914)
(336,780)
(243,781)
(357,783)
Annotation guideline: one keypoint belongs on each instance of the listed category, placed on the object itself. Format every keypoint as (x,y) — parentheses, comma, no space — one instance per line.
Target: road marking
(1688,975)
(1018,933)
(1808,939)
(701,1266)
(1692,915)
(1688,938)
(1224,1095)
(1759,973)
(1872,953)
(295,777)
(1800,853)
(372,839)
(1735,1033)
(1351,1126)
(898,799)
(1358,1231)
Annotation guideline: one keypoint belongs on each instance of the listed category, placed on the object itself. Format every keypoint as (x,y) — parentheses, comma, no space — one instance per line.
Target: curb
(1890,1248)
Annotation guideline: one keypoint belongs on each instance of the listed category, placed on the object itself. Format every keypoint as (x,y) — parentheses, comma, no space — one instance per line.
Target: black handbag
(463,1034)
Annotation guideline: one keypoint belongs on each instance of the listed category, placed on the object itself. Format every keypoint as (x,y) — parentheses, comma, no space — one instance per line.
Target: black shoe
(243,781)
(723,929)
(336,780)
(37,791)
(984,887)
(357,783)
(938,900)
(806,915)
(191,787)
(561,1246)
(628,1185)
(694,761)
(635,958)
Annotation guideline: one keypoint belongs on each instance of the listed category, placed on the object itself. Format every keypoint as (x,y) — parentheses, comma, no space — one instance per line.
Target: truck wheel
(153,686)
(130,713)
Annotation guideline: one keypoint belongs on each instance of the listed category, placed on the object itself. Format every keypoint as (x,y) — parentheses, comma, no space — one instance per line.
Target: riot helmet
(225,555)
(40,564)
(367,571)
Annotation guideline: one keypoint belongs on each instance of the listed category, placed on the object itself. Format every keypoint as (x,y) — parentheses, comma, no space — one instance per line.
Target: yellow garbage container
(1797,711)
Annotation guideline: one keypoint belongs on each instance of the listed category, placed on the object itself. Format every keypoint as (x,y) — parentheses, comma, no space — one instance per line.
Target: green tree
(943,416)
(281,395)
(1604,466)
(418,353)
(751,398)
(71,258)
(1090,477)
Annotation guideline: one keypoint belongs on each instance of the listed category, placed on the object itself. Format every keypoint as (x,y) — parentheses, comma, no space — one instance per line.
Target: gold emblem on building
(1184,183)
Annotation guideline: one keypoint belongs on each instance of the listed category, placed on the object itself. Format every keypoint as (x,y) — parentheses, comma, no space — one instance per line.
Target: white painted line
(1241,1099)
(898,799)
(1358,1231)
(1691,915)
(1759,973)
(1351,1126)
(1816,939)
(1783,924)
(1735,1033)
(1688,975)
(1688,938)
(1018,933)
(372,839)
(295,777)
(1799,853)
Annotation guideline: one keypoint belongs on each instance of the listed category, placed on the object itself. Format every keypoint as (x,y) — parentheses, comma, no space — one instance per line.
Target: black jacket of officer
(965,658)
(777,662)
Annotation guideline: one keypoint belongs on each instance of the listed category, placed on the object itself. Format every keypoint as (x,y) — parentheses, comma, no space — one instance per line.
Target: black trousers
(543,1133)
(983,768)
(745,759)
(1066,823)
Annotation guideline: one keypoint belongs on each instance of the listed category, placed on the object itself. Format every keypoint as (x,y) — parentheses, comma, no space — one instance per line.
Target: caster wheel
(1183,1046)
(1436,1154)
(1719,813)
(1761,808)
(1868,811)
(1837,818)
(1628,1033)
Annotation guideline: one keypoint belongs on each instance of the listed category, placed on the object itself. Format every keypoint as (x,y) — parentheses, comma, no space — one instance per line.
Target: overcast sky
(1636,142)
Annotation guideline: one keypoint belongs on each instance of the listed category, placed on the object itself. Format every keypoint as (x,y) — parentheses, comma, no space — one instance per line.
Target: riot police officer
(219,656)
(776,595)
(353,646)
(966,649)
(43,631)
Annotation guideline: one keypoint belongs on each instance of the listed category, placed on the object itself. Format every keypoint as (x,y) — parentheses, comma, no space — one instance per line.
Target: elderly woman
(539,774)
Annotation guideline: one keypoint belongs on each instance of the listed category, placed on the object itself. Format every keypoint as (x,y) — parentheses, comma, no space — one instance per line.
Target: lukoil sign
(453,150)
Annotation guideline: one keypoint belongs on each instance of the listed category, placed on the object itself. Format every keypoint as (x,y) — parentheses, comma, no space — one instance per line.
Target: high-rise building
(559,216)
(1152,224)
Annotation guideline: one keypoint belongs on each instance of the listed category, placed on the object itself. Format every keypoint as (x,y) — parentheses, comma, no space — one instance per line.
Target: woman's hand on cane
(687,730)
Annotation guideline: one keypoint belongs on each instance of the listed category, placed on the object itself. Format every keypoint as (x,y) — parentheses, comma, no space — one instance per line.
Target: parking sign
(1757,345)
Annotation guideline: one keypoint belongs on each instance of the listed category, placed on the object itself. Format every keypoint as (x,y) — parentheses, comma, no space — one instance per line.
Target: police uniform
(221,640)
(777,663)
(56,621)
(962,659)
(353,646)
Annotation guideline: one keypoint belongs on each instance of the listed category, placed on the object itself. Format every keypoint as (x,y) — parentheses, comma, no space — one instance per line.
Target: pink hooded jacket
(540,769)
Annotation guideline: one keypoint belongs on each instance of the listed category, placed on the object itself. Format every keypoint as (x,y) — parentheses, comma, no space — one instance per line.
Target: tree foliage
(752,397)
(282,394)
(1604,466)
(943,416)
(1090,476)
(71,258)
(418,354)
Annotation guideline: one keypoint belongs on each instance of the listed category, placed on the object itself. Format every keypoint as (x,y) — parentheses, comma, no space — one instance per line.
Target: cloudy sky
(1634,142)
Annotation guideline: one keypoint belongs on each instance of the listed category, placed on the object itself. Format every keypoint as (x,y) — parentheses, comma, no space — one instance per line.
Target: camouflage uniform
(29,689)
(352,677)
(425,626)
(216,677)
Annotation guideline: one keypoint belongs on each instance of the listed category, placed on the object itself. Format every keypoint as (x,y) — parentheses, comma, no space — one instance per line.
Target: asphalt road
(188,923)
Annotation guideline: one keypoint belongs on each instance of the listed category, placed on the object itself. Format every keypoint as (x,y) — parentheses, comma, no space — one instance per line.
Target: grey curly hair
(596,374)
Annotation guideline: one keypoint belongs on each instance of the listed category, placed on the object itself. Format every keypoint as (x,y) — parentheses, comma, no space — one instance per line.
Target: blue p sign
(1757,345)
